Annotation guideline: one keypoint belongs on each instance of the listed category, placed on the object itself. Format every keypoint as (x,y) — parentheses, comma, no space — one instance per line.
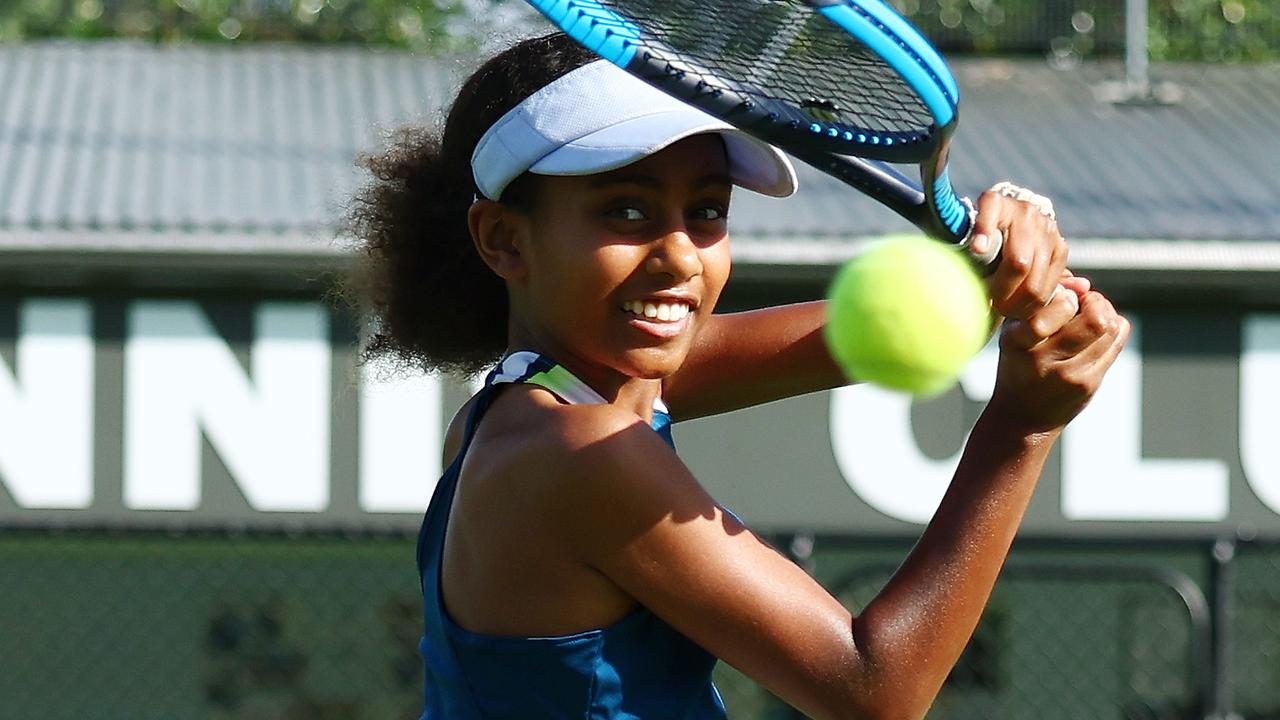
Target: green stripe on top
(530,367)
(567,386)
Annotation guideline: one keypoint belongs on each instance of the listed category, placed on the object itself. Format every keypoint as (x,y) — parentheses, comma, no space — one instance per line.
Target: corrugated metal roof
(117,145)
(1205,168)
(109,136)
(1201,177)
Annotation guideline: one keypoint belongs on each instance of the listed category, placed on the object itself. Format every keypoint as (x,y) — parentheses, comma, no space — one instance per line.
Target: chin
(654,363)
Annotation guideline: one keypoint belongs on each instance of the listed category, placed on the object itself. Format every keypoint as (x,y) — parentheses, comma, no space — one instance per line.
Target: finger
(986,225)
(1051,256)
(1076,284)
(1046,322)
(1092,328)
(1117,342)
(990,223)
(983,245)
(1087,367)
(1014,285)
(1035,232)
(1057,266)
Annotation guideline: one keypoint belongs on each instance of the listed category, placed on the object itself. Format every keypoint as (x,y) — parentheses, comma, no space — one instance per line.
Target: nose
(675,254)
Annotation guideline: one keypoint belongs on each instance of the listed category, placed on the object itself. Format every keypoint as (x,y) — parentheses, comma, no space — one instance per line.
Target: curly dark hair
(432,301)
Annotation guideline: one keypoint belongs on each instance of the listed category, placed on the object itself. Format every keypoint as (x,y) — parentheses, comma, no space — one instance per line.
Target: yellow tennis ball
(907,314)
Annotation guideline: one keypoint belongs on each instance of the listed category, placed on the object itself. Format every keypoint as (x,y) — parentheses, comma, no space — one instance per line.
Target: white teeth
(662,312)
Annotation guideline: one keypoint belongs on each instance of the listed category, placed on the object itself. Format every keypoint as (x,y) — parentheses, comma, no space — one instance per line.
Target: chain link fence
(134,626)
(1253,634)
(1069,641)
(138,627)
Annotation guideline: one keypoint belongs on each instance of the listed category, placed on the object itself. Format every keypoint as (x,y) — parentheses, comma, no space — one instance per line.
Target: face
(624,267)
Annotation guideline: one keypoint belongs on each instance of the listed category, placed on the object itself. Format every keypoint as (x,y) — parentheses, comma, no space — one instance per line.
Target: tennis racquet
(847,86)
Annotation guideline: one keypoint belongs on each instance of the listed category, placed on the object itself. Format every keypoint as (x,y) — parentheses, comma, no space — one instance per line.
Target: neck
(629,393)
(617,388)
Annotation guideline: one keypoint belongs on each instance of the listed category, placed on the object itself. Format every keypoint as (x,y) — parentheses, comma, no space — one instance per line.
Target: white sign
(46,408)
(1105,474)
(297,432)
(269,423)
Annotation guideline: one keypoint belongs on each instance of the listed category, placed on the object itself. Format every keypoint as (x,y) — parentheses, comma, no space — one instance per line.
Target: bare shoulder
(574,440)
(543,423)
(589,469)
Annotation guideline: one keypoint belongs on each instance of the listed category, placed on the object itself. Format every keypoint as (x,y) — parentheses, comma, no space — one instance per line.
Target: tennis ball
(907,314)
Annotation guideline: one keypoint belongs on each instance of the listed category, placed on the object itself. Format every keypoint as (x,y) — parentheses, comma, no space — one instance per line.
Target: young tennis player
(571,223)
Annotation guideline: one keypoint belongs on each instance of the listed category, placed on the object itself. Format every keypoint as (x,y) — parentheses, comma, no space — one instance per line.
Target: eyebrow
(649,181)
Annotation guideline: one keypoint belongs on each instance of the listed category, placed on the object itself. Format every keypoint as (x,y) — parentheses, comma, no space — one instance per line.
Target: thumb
(985,242)
(1079,285)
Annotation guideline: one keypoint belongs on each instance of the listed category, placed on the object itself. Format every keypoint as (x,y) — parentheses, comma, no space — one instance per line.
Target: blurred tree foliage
(1205,30)
(1212,30)
(1229,30)
(421,25)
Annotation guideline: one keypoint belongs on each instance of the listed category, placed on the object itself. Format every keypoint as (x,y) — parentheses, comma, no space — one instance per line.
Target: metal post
(1222,575)
(1135,54)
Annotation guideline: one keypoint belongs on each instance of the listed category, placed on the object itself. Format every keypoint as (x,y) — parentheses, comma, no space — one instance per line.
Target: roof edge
(173,242)
(1119,254)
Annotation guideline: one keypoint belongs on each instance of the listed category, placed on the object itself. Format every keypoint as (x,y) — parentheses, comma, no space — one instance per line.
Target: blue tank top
(638,668)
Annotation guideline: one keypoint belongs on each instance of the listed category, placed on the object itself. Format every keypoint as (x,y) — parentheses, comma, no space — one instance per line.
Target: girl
(571,223)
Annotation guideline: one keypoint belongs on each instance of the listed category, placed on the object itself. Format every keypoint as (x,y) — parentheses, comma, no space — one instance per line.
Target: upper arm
(653,531)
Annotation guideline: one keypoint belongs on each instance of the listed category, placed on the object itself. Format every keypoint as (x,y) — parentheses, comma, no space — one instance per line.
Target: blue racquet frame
(857,156)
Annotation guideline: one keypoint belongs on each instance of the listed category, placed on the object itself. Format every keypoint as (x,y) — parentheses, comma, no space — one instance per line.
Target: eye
(626,212)
(710,212)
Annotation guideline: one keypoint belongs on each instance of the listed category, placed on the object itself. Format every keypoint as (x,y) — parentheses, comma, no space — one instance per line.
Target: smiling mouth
(657,311)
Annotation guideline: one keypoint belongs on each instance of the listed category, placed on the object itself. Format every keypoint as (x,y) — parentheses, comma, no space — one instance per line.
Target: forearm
(753,357)
(913,632)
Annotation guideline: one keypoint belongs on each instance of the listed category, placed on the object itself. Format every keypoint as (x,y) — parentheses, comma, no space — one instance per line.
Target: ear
(497,231)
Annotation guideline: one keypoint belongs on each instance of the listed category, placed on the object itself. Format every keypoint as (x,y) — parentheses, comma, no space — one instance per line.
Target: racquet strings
(783,51)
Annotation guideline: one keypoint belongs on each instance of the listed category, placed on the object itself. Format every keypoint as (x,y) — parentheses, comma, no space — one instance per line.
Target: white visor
(598,118)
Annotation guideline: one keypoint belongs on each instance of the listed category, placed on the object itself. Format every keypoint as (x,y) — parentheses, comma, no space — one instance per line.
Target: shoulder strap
(530,367)
(437,650)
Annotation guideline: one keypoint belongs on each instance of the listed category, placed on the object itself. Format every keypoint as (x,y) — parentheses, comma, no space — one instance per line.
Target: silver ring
(1040,202)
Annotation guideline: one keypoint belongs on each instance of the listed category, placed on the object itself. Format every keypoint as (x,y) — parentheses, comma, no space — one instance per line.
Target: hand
(1034,257)
(1052,362)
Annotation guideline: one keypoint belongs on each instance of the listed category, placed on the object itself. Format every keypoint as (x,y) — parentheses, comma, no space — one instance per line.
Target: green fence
(136,626)
(139,627)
